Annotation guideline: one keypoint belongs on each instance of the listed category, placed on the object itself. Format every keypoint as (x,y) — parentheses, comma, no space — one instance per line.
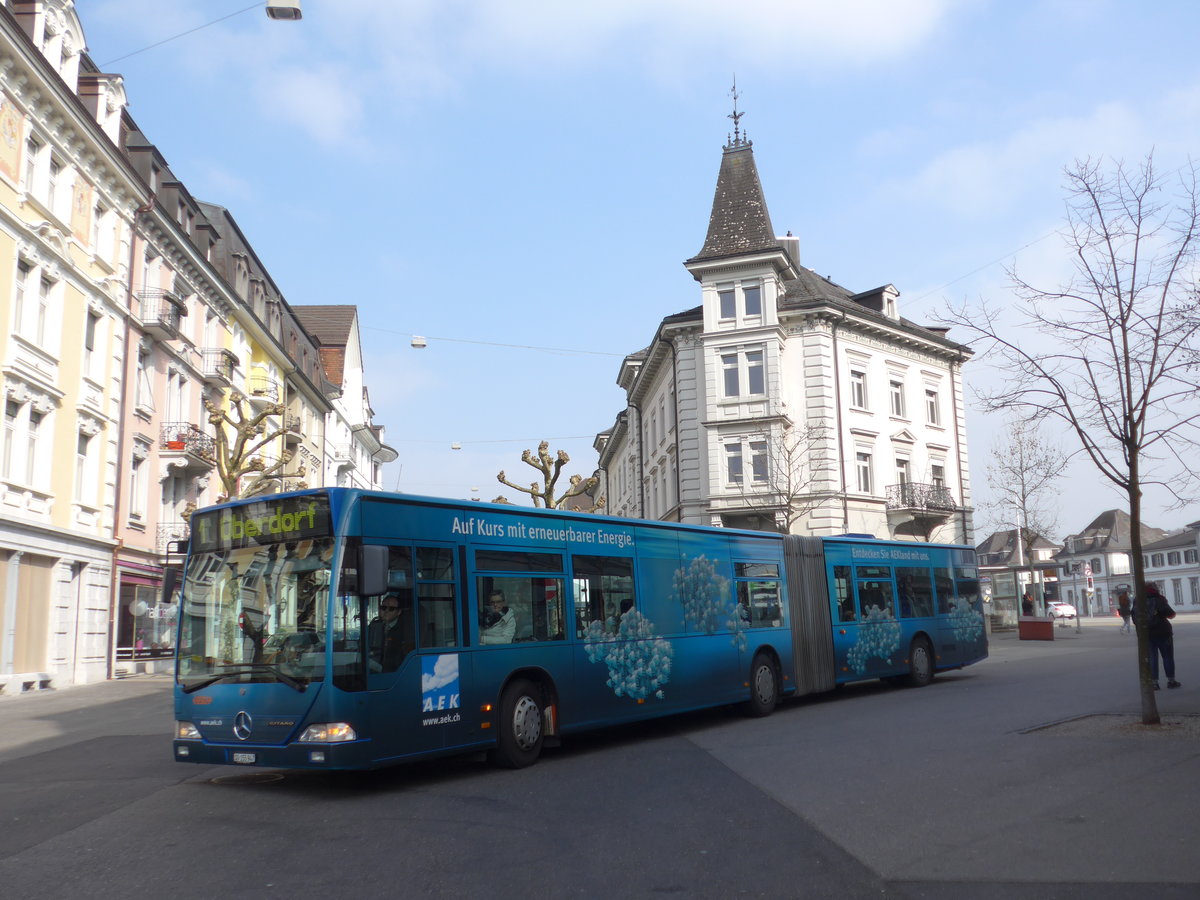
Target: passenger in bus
(498,623)
(386,635)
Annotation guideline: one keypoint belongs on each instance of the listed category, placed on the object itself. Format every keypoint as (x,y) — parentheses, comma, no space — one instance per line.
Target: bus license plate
(246,759)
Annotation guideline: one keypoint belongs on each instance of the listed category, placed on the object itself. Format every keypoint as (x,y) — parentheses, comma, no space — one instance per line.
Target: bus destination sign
(268,521)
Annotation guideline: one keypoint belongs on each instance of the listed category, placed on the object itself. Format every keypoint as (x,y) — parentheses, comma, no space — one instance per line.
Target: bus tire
(920,662)
(764,687)
(519,741)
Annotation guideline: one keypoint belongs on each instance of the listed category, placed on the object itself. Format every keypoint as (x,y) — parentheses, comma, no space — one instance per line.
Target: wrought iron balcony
(915,496)
(218,365)
(262,388)
(193,447)
(161,312)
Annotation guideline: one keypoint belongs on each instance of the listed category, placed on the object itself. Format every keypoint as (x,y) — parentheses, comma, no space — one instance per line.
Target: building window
(89,340)
(728,303)
(1177,591)
(137,488)
(31,446)
(82,445)
(12,410)
(758,462)
(733,464)
(1173,558)
(858,389)
(753,298)
(45,287)
(53,185)
(743,369)
(902,471)
(862,463)
(33,149)
(1189,556)
(897,394)
(24,270)
(938,476)
(932,411)
(1156,560)
(1194,588)
(735,454)
(1097,567)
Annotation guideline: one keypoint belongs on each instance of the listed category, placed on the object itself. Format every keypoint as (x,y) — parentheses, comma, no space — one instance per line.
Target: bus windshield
(254,608)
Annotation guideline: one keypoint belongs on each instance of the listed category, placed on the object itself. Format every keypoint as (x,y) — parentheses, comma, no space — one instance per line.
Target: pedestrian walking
(1123,609)
(1159,633)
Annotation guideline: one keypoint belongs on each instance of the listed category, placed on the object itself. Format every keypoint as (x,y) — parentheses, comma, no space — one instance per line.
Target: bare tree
(1107,354)
(550,468)
(1023,468)
(793,464)
(241,437)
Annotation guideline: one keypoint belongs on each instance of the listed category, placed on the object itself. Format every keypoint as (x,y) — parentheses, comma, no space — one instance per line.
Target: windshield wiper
(244,668)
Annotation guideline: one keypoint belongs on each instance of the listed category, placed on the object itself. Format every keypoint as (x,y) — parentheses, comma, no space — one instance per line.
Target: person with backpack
(1159,633)
(1123,610)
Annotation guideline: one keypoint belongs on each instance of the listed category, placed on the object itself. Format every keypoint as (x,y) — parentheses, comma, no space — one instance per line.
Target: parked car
(1057,610)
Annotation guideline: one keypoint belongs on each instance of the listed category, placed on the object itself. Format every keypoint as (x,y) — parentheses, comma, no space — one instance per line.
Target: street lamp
(284,9)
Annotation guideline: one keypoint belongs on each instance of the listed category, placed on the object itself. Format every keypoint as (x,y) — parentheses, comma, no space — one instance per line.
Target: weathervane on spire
(736,116)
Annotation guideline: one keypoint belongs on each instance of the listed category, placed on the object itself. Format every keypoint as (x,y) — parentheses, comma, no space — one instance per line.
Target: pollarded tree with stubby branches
(240,437)
(551,467)
(1109,355)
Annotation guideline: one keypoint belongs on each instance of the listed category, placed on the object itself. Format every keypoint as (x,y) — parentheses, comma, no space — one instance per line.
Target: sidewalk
(38,721)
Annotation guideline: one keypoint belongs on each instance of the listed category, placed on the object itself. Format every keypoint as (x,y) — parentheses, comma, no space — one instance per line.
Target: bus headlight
(328,733)
(186,731)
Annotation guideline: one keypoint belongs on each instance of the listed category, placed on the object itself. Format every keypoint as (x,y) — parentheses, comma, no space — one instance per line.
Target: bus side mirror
(170,582)
(372,570)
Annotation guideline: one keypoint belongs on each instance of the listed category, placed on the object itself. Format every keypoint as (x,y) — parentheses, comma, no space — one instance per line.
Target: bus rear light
(486,708)
(485,724)
(328,733)
(186,731)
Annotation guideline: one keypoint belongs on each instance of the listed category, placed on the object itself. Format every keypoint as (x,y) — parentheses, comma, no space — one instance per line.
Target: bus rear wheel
(920,663)
(519,742)
(764,687)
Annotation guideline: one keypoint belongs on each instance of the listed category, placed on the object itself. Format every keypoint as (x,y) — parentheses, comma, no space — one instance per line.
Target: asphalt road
(952,791)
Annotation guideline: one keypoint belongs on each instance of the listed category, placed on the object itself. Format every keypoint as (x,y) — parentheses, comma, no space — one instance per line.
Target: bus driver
(499,622)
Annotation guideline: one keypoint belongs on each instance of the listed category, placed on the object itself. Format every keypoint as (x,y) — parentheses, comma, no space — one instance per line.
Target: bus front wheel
(519,742)
(764,687)
(920,663)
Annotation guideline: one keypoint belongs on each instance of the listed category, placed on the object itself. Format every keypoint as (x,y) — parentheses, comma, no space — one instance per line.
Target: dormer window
(753,298)
(728,301)
(742,301)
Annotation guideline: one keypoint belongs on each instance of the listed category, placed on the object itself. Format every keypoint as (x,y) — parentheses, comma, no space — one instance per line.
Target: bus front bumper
(349,755)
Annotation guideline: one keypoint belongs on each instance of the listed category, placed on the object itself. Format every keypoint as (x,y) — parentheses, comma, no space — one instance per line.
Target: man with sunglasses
(386,641)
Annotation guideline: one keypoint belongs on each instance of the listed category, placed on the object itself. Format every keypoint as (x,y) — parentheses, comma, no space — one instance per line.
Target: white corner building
(786,402)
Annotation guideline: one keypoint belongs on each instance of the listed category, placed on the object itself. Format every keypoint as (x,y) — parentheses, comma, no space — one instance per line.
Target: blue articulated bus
(346,629)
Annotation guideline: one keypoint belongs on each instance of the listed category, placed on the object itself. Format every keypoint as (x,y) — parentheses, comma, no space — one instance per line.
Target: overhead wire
(173,37)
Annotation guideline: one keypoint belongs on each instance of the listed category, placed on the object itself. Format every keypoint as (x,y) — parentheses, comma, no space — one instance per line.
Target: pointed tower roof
(739,222)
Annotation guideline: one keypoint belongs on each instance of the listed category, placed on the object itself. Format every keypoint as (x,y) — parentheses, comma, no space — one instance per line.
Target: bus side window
(601,586)
(967,581)
(520,608)
(437,617)
(874,590)
(915,592)
(758,599)
(945,591)
(843,594)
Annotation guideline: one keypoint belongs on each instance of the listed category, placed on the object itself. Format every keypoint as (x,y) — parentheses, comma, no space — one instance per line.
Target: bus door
(960,616)
(414,676)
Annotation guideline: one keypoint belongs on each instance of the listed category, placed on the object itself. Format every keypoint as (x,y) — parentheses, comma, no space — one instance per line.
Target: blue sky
(500,175)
